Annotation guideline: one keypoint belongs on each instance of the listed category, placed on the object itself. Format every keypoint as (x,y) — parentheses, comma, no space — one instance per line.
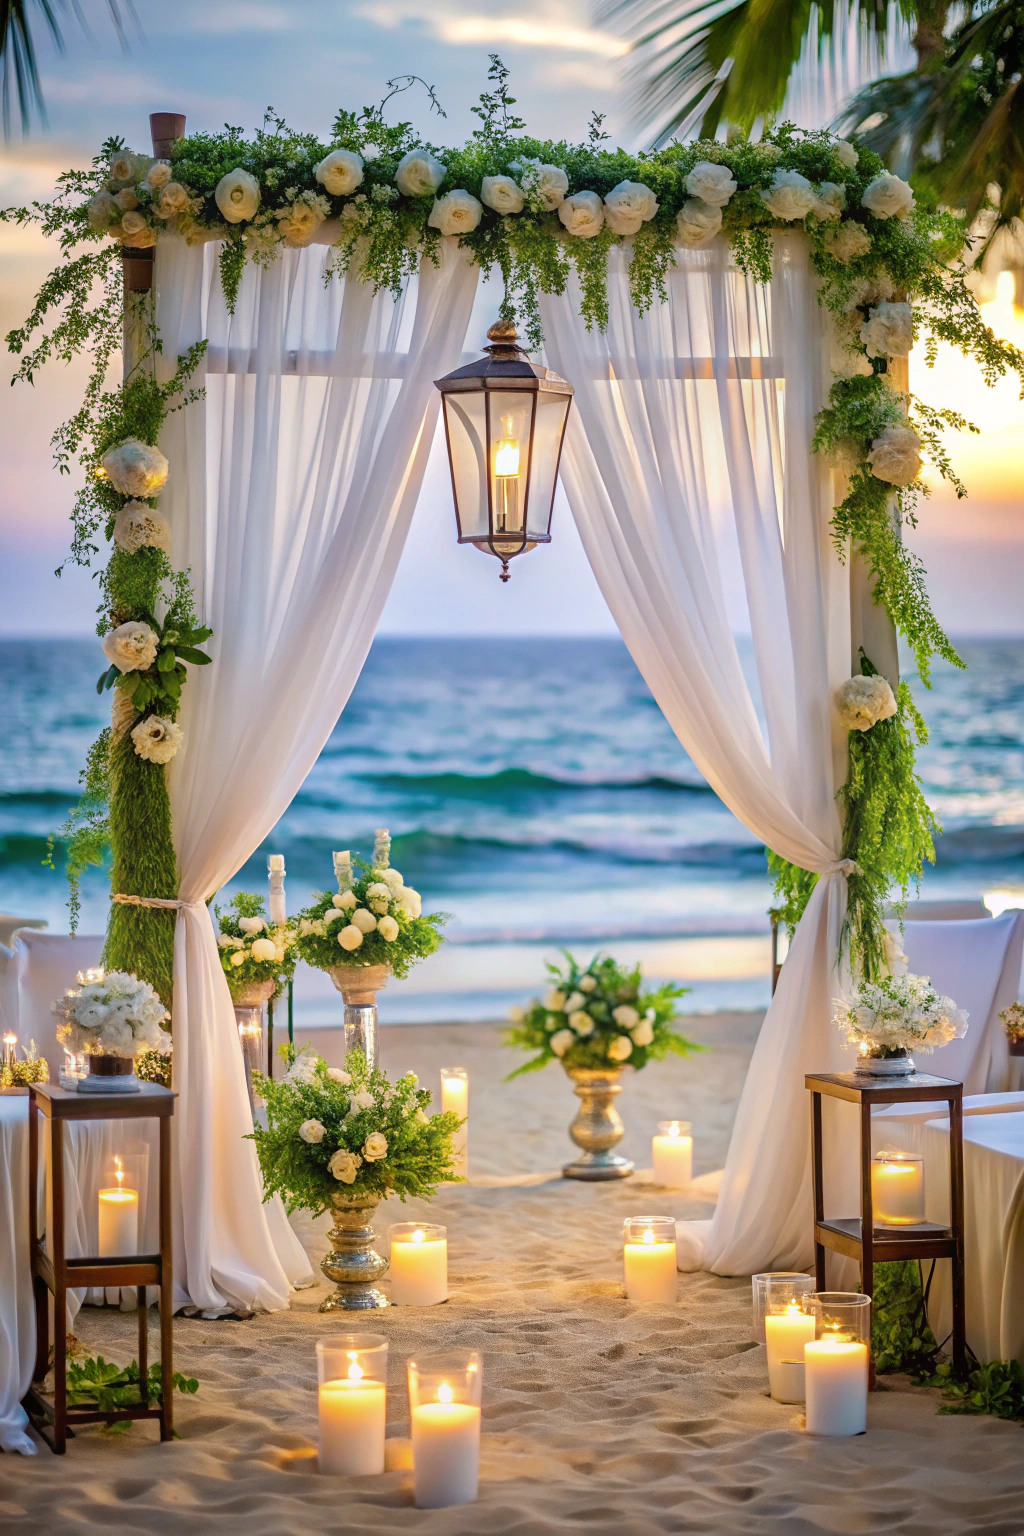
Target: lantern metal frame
(505,367)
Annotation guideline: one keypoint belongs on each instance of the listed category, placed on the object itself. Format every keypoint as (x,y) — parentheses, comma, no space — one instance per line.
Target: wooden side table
(857,1236)
(54,1273)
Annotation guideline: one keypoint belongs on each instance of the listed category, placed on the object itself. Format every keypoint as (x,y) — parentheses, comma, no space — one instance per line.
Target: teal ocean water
(533,791)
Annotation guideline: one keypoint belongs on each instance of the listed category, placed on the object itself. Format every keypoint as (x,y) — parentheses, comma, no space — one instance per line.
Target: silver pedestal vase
(359,985)
(598,1125)
(354,1266)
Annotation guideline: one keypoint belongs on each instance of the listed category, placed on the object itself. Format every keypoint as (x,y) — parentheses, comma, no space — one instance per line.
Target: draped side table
(53,1273)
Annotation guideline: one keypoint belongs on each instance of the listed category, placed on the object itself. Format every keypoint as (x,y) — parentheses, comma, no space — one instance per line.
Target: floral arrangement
(898,1014)
(32,1068)
(349,1131)
(1013,1023)
(375,918)
(113,1015)
(862,701)
(154,1066)
(598,1016)
(251,950)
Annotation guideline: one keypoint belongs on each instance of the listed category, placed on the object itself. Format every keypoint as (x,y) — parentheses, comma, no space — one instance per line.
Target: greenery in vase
(597,1016)
(154,1067)
(33,1068)
(349,1131)
(251,950)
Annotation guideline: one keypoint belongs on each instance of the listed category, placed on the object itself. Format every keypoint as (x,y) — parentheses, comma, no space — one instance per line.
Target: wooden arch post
(165,128)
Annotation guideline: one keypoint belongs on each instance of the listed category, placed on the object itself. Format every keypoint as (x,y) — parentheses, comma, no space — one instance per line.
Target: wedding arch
(735,319)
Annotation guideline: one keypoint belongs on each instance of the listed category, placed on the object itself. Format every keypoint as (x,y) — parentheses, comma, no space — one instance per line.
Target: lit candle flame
(417,1236)
(444,1393)
(506,454)
(119,1173)
(355,1373)
(648,1236)
(673,1129)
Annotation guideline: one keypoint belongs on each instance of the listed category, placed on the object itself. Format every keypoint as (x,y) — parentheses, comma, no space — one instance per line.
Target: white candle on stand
(786,1333)
(118,1226)
(672,1153)
(419,1265)
(445,1452)
(455,1096)
(897,1189)
(276,907)
(836,1386)
(649,1259)
(352,1416)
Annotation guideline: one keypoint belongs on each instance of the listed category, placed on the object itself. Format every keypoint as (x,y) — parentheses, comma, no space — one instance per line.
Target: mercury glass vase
(354,1266)
(897,1064)
(598,1125)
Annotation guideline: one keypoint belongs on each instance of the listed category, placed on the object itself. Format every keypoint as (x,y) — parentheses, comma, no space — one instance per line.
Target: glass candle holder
(445,1391)
(790,1322)
(352,1374)
(897,1189)
(649,1258)
(672,1154)
(455,1097)
(836,1364)
(803,1285)
(419,1264)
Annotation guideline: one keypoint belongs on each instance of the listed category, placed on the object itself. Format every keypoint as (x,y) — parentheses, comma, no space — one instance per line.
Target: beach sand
(599,1416)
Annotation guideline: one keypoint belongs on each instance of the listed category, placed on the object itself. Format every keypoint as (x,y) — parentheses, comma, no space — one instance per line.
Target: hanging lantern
(504,421)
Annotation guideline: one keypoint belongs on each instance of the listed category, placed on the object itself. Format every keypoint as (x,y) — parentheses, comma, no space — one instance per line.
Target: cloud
(227,18)
(570,34)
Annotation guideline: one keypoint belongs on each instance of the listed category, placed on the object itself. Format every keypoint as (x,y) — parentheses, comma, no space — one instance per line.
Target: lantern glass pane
(467,442)
(511,419)
(552,410)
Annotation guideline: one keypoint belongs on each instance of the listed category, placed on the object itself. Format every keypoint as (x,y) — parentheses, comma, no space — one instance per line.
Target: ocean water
(535,793)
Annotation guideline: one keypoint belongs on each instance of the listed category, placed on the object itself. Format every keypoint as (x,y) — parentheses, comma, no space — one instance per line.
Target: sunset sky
(225,62)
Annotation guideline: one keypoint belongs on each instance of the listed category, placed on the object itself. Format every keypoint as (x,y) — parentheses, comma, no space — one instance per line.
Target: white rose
(345,901)
(581,1022)
(502,194)
(848,241)
(574,1002)
(238,958)
(363,1099)
(363,920)
(790,196)
(555,1001)
(419,174)
(561,1041)
(237,196)
(298,224)
(544,185)
(312,1131)
(847,154)
(102,211)
(643,1034)
(697,222)
(130,647)
(378,891)
(888,196)
(158,175)
(126,199)
(340,172)
(457,213)
(375,1147)
(172,200)
(620,1048)
(225,940)
(410,902)
(625,1016)
(136,233)
(392,879)
(388,929)
(889,330)
(895,456)
(831,200)
(582,214)
(264,949)
(157,740)
(862,701)
(138,526)
(588,983)
(350,937)
(345,1165)
(711,183)
(629,205)
(127,167)
(135,468)
(335,915)
(251,924)
(338,1075)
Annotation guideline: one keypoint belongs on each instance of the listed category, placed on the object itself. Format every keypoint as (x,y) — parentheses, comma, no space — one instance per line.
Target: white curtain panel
(688,456)
(291,490)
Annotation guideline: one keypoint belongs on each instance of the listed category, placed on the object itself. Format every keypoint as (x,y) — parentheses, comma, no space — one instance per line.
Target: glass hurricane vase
(359,985)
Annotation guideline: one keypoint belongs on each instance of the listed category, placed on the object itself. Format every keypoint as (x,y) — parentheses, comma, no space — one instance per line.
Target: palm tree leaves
(19,69)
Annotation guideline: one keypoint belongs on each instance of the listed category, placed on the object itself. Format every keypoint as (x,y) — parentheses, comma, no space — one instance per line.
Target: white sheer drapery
(290,494)
(698,414)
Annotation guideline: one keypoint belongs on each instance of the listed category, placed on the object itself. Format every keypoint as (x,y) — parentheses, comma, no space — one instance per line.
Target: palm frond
(19,69)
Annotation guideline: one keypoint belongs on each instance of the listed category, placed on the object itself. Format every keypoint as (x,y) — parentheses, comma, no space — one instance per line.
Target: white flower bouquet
(115,1014)
(253,952)
(334,1131)
(890,1018)
(598,1016)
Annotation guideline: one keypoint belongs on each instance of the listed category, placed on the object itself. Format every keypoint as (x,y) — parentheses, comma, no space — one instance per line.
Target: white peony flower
(895,456)
(340,172)
(862,701)
(158,175)
(712,184)
(350,937)
(555,1001)
(848,241)
(561,1041)
(620,1048)
(643,1034)
(847,154)
(346,901)
(363,920)
(629,205)
(138,526)
(312,1131)
(790,196)
(135,468)
(345,1165)
(419,174)
(388,929)
(457,213)
(581,1022)
(251,924)
(545,185)
(375,1147)
(299,223)
(573,1002)
(171,200)
(130,647)
(831,200)
(502,194)
(889,330)
(237,196)
(338,1075)
(888,196)
(582,214)
(102,211)
(588,983)
(264,949)
(697,222)
(625,1016)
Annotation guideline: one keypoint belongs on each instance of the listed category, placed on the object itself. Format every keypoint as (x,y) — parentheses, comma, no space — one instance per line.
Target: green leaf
(189,653)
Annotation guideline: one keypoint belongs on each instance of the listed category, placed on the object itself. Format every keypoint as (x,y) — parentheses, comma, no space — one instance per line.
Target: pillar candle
(455,1096)
(650,1270)
(352,1414)
(419,1266)
(786,1333)
(119,1223)
(445,1452)
(897,1189)
(277,909)
(672,1152)
(836,1385)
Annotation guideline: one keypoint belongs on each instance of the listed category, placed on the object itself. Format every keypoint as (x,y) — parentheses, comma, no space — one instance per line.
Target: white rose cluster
(848,241)
(888,197)
(895,456)
(255,940)
(862,701)
(116,1015)
(888,330)
(899,1013)
(571,1016)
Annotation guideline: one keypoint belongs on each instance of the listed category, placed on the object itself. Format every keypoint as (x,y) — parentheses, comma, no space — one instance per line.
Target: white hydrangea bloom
(252,924)
(862,701)
(363,920)
(135,468)
(895,456)
(388,929)
(350,938)
(847,154)
(831,200)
